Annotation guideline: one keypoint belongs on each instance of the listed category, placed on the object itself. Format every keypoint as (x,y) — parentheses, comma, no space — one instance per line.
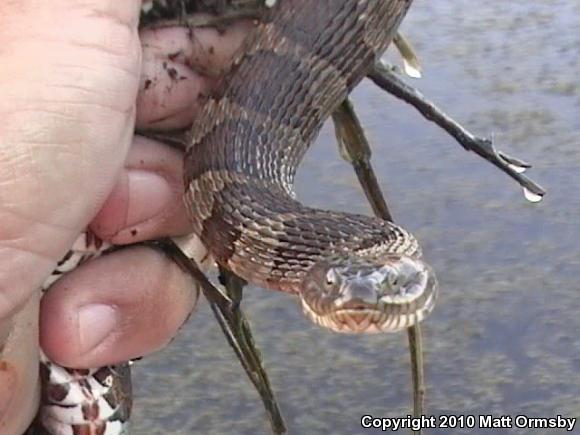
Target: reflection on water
(503,338)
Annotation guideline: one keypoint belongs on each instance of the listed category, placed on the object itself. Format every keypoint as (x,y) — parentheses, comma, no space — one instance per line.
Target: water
(531,196)
(504,336)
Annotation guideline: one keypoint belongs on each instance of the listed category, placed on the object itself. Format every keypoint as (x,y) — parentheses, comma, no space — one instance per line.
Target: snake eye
(392,279)
(331,277)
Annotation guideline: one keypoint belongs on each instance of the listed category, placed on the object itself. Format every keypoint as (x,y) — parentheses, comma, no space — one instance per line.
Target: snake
(352,273)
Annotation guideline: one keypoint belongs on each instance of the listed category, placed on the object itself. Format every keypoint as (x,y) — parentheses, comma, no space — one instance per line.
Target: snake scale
(353,273)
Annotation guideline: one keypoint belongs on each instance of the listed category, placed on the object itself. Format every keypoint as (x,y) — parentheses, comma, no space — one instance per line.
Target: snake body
(82,401)
(353,273)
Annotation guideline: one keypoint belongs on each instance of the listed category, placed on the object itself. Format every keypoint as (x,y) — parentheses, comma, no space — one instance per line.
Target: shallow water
(503,338)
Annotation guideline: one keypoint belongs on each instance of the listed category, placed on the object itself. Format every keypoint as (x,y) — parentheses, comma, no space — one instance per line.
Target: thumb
(68,83)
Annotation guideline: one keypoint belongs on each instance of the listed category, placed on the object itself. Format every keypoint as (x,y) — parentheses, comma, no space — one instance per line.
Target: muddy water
(503,339)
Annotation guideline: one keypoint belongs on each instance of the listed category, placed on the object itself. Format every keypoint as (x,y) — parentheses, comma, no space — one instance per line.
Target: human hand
(74,83)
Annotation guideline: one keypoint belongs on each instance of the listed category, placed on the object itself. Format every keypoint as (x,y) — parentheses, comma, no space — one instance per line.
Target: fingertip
(169,95)
(117,307)
(146,202)
(205,49)
(180,68)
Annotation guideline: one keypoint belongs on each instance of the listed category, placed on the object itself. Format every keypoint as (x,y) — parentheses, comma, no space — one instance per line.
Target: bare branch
(514,167)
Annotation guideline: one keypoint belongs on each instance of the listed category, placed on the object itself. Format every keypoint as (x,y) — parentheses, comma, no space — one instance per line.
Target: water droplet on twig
(411,70)
(516,168)
(531,196)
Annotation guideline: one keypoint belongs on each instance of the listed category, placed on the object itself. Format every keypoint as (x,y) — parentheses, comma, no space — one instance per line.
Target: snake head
(362,295)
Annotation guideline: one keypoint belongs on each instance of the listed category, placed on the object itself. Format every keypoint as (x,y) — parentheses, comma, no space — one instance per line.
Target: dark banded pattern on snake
(301,61)
(354,273)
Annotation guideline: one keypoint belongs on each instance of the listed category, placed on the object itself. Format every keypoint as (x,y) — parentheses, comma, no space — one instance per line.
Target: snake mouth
(354,320)
(369,320)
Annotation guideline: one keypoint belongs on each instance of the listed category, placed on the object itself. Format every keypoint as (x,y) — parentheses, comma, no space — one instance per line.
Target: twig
(241,328)
(195,20)
(234,325)
(187,13)
(355,148)
(411,63)
(415,340)
(514,167)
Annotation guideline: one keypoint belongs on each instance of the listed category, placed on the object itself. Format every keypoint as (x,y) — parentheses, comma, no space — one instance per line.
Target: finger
(146,202)
(179,69)
(19,369)
(117,307)
(207,50)
(56,161)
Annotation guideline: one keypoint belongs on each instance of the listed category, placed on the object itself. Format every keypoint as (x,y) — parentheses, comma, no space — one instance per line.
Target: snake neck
(294,69)
(266,237)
